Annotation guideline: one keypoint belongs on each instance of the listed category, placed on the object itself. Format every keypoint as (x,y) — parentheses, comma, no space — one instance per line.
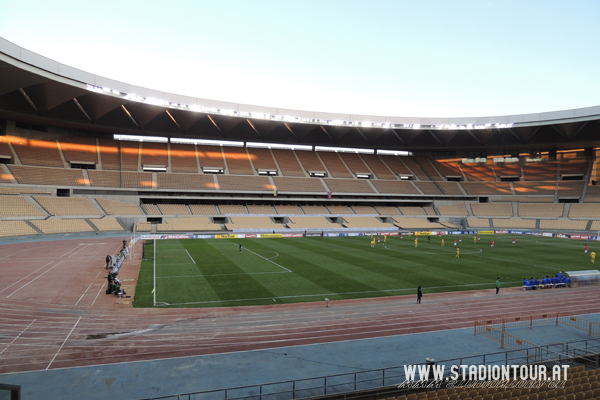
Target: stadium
(268,253)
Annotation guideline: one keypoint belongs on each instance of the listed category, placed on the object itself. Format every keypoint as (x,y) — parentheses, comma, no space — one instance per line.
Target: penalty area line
(188,253)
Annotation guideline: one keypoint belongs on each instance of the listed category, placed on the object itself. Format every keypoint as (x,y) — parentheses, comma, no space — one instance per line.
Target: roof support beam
(28,100)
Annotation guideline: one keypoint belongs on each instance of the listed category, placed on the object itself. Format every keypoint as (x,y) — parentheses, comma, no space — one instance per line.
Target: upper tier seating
(191,224)
(311,223)
(17,206)
(143,227)
(262,158)
(252,223)
(238,161)
(37,152)
(62,206)
(396,187)
(396,165)
(354,163)
(508,170)
(133,180)
(245,183)
(5,177)
(523,199)
(387,210)
(540,172)
(151,209)
(186,181)
(109,153)
(411,210)
(587,211)
(429,210)
(453,209)
(543,210)
(514,223)
(113,207)
(260,209)
(173,209)
(287,184)
(429,169)
(478,172)
(62,225)
(183,158)
(428,187)
(130,155)
(366,222)
(334,164)
(18,190)
(570,189)
(378,167)
(4,149)
(232,209)
(574,168)
(447,168)
(154,154)
(486,188)
(415,168)
(107,224)
(211,156)
(310,161)
(16,228)
(79,148)
(535,188)
(492,209)
(340,210)
(47,176)
(204,209)
(451,188)
(348,186)
(310,209)
(288,163)
(288,209)
(364,210)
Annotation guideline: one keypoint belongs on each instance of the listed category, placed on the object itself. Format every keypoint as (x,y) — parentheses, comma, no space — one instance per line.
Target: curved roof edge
(40,65)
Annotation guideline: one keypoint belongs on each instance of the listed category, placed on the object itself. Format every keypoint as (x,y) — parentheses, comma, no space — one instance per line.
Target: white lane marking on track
(34,279)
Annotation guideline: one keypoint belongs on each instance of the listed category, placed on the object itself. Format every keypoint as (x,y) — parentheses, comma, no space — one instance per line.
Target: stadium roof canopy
(40,91)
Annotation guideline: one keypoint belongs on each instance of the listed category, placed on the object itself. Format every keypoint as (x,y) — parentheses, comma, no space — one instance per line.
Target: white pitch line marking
(63,343)
(188,253)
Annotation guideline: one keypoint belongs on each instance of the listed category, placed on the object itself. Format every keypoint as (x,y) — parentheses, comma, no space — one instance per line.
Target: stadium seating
(288,209)
(429,188)
(260,209)
(151,209)
(310,209)
(334,165)
(453,209)
(37,152)
(154,154)
(573,189)
(62,225)
(17,206)
(348,186)
(378,167)
(395,187)
(245,183)
(508,170)
(18,190)
(340,210)
(364,210)
(514,223)
(16,228)
(144,227)
(563,224)
(523,199)
(288,184)
(541,210)
(262,158)
(173,209)
(417,223)
(47,176)
(447,168)
(540,172)
(354,163)
(211,156)
(478,222)
(478,172)
(186,181)
(107,224)
(429,211)
(204,209)
(387,210)
(191,224)
(310,161)
(535,188)
(311,223)
(414,167)
(62,206)
(486,188)
(113,207)
(396,165)
(574,168)
(130,155)
(366,222)
(492,209)
(587,210)
(109,154)
(238,161)
(428,168)
(79,148)
(288,163)
(183,158)
(411,210)
(262,223)
(450,188)
(227,209)
(115,179)
(4,148)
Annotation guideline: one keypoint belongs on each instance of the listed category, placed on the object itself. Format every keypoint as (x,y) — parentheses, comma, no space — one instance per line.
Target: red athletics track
(54,313)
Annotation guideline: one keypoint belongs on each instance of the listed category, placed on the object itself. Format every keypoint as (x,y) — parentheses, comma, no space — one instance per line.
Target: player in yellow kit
(416,241)
(474,239)
(458,252)
(373,243)
(593,256)
(443,244)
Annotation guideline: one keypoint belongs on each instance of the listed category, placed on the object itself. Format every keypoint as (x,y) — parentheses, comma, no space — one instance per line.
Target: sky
(420,58)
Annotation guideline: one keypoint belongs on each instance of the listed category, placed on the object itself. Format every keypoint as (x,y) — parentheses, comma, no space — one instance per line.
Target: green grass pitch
(213,273)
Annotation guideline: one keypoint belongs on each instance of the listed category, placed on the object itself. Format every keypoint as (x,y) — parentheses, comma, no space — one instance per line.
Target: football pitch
(214,273)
